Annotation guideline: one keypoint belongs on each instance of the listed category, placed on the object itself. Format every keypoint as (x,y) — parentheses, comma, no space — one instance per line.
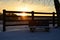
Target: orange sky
(26,6)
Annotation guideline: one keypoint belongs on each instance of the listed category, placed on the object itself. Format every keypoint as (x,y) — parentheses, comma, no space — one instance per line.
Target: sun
(23,9)
(21,14)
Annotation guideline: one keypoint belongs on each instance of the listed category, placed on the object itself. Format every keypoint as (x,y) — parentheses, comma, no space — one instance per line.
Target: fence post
(32,15)
(4,13)
(53,19)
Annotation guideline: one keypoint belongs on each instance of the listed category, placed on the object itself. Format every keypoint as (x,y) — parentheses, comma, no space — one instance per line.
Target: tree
(14,16)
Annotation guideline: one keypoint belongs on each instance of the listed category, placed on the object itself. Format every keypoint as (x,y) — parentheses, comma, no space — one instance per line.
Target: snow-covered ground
(23,33)
(54,34)
(13,28)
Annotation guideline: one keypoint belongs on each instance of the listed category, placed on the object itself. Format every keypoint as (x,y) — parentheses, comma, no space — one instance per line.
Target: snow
(26,35)
(23,33)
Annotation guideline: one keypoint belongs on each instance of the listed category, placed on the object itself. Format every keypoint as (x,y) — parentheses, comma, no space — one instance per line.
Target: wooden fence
(53,18)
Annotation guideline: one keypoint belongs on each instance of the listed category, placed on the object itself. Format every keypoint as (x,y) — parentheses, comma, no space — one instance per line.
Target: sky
(28,5)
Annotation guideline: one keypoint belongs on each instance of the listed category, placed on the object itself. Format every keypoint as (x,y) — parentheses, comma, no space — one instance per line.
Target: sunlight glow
(22,14)
(24,8)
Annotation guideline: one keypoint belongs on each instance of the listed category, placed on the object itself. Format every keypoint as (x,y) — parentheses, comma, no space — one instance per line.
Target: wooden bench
(39,24)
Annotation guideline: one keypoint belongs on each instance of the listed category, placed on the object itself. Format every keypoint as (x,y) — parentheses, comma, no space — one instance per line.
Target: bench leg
(32,29)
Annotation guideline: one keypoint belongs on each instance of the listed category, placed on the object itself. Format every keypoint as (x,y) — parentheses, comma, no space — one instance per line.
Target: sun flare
(23,9)
(22,14)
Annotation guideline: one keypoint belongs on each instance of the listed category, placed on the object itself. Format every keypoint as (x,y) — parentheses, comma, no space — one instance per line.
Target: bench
(39,24)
